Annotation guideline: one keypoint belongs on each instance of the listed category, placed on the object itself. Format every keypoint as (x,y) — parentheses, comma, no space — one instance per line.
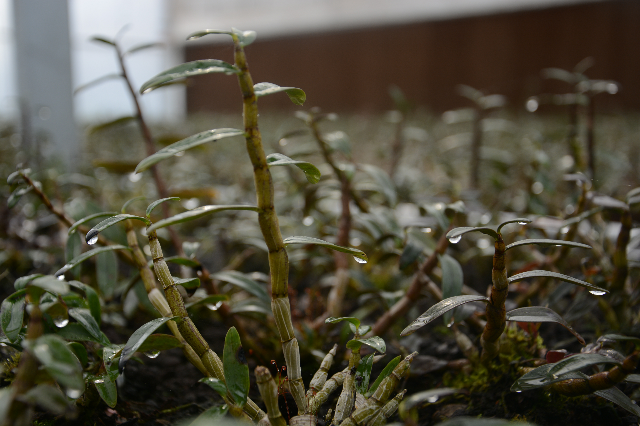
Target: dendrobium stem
(496,312)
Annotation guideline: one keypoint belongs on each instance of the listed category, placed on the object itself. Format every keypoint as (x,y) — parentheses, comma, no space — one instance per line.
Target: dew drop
(432,399)
(518,391)
(61,277)
(60,321)
(455,240)
(308,221)
(359,260)
(98,381)
(213,307)
(74,393)
(152,354)
(597,292)
(450,323)
(522,223)
(91,241)
(564,229)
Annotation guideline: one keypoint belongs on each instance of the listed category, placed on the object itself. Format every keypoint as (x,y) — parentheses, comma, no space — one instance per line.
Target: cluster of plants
(393,232)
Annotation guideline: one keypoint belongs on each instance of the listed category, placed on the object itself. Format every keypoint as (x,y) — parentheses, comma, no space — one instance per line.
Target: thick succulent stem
(187,328)
(496,313)
(320,378)
(269,391)
(268,220)
(329,387)
(347,398)
(387,411)
(388,385)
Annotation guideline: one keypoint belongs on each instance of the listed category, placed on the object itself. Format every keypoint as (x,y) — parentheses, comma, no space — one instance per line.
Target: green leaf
(103,40)
(50,283)
(80,352)
(157,203)
(296,95)
(185,144)
(209,300)
(88,218)
(143,47)
(107,273)
(72,249)
(16,195)
(113,123)
(48,397)
(197,213)
(189,69)
(619,337)
(410,254)
(15,177)
(244,282)
(86,255)
(107,389)
(76,332)
(12,315)
(83,316)
(632,378)
(548,243)
(358,255)
(363,374)
(440,308)
(311,172)
(452,280)
(138,338)
(352,320)
(386,371)
(421,398)
(22,282)
(616,396)
(375,342)
(159,342)
(181,261)
(540,314)
(244,37)
(188,283)
(456,233)
(438,214)
(360,331)
(92,235)
(595,290)
(93,300)
(384,184)
(132,200)
(216,385)
(60,362)
(236,370)
(96,82)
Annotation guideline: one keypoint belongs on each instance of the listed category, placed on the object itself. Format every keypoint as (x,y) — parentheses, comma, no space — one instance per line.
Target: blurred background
(343,53)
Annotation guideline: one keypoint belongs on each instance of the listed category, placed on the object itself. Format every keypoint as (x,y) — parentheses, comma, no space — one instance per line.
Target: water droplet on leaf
(213,307)
(93,240)
(61,277)
(74,393)
(152,354)
(308,221)
(432,399)
(455,240)
(98,381)
(60,321)
(597,292)
(359,260)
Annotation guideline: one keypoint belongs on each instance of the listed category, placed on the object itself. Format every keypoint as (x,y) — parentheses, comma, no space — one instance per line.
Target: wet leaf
(375,342)
(243,281)
(48,397)
(49,283)
(548,274)
(159,342)
(619,337)
(425,397)
(296,95)
(83,316)
(12,314)
(96,82)
(73,248)
(130,201)
(363,374)
(616,396)
(16,195)
(107,389)
(357,254)
(189,69)
(86,219)
(216,385)
(76,332)
(456,233)
(546,242)
(196,213)
(209,300)
(541,314)
(410,254)
(452,280)
(59,361)
(156,203)
(439,309)
(360,331)
(80,352)
(22,282)
(143,47)
(244,37)
(92,235)
(86,255)
(93,300)
(236,370)
(107,272)
(311,172)
(388,369)
(352,320)
(188,283)
(113,123)
(138,338)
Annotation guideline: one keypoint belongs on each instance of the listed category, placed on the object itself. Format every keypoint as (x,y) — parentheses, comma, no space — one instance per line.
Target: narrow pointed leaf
(440,308)
(358,254)
(579,361)
(424,397)
(107,390)
(352,320)
(244,282)
(143,47)
(236,370)
(548,274)
(159,342)
(12,315)
(618,397)
(22,282)
(196,213)
(375,342)
(452,280)
(185,144)
(128,202)
(83,316)
(459,232)
(245,37)
(93,300)
(189,69)
(73,227)
(311,172)
(296,95)
(633,378)
(216,385)
(364,372)
(103,40)
(113,123)
(96,82)
(209,300)
(520,220)
(77,333)
(93,232)
(198,34)
(86,255)
(541,314)
(388,369)
(546,242)
(49,397)
(187,283)
(634,192)
(59,361)
(540,377)
(138,337)
(157,203)
(16,195)
(619,337)
(608,202)
(50,284)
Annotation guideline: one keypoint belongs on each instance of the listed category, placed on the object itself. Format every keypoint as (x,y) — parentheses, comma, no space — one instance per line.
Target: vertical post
(43,59)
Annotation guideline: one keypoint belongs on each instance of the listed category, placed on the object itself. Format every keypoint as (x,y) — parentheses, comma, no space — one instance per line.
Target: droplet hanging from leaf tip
(152,354)
(597,292)
(455,240)
(92,237)
(359,259)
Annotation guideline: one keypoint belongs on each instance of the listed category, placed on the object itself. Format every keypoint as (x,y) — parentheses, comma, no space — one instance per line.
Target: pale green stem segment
(496,312)
(278,260)
(381,395)
(319,379)
(387,411)
(156,297)
(269,391)
(329,387)
(361,416)
(187,328)
(344,406)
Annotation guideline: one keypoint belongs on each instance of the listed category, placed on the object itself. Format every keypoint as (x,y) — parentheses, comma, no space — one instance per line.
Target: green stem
(268,220)
(496,312)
